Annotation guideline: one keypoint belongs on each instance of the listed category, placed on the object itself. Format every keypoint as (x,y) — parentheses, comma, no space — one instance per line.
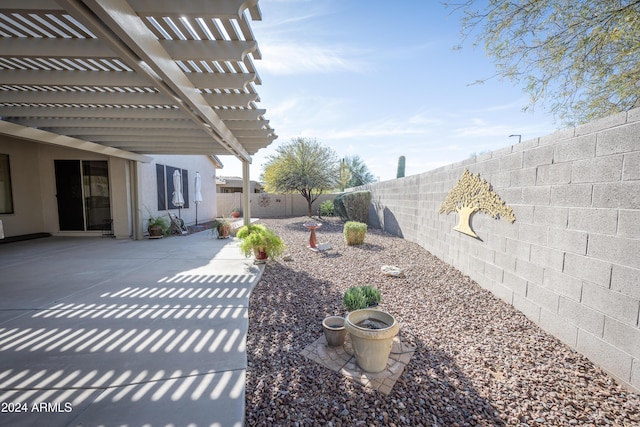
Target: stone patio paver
(341,360)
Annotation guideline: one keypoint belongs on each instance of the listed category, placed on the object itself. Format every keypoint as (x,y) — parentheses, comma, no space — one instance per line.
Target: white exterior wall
(148,187)
(34,188)
(25,181)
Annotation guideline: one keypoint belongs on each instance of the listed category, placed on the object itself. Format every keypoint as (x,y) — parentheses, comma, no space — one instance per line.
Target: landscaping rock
(392,270)
(478,362)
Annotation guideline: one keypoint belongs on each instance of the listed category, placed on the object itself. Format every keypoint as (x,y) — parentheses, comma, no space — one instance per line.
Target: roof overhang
(133,76)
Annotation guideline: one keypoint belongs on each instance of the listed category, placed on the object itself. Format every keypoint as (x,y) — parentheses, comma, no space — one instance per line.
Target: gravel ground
(478,360)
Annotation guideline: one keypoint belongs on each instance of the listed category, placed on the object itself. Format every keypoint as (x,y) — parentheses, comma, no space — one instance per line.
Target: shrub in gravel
(326,208)
(359,297)
(338,207)
(372,295)
(354,232)
(354,299)
(353,206)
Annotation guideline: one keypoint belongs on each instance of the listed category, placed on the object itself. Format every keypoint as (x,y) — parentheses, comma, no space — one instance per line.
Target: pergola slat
(129,69)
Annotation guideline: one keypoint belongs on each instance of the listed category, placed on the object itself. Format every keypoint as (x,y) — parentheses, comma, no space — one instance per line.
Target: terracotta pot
(261,255)
(223,232)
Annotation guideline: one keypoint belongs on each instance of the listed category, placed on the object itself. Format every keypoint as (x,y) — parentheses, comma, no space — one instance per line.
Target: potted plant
(223,227)
(263,244)
(359,297)
(157,226)
(334,330)
(371,332)
(236,212)
(245,230)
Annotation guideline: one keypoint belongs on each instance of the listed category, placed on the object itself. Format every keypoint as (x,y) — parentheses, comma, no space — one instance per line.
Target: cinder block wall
(265,205)
(571,261)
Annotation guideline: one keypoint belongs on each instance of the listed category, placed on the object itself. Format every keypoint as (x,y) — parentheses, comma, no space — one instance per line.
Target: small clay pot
(334,330)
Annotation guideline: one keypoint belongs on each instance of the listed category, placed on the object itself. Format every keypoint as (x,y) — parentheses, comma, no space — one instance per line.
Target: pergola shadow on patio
(110,332)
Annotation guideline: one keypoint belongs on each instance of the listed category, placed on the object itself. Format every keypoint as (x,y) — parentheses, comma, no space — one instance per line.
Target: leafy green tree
(580,57)
(358,171)
(302,166)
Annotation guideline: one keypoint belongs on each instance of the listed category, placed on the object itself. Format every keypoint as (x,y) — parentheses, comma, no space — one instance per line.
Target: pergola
(127,78)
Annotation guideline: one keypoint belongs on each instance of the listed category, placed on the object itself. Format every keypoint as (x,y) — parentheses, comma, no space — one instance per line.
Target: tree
(345,175)
(582,57)
(304,166)
(359,172)
(470,195)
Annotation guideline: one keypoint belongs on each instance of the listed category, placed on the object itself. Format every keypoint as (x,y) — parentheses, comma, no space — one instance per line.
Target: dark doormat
(22,237)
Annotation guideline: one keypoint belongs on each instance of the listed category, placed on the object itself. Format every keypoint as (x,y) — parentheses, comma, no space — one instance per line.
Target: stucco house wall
(33,185)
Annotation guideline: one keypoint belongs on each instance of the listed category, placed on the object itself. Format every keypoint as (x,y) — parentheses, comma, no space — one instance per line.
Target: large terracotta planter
(371,346)
(334,330)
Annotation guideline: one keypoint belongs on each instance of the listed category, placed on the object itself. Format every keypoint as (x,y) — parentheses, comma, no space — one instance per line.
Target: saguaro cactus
(401,161)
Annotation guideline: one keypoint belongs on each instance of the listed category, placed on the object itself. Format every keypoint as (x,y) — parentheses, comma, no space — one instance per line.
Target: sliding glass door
(82,188)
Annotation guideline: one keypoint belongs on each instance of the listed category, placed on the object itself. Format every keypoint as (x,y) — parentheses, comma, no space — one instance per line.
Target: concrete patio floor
(104,332)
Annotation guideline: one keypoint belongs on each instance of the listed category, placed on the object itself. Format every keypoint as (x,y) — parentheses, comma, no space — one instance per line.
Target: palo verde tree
(472,194)
(580,57)
(302,166)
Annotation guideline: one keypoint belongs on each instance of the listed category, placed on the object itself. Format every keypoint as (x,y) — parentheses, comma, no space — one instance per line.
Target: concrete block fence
(571,260)
(264,205)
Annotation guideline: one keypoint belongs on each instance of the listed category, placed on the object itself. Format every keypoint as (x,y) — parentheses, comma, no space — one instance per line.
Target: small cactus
(401,161)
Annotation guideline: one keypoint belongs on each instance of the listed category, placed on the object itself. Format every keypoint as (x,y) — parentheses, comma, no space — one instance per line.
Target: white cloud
(287,58)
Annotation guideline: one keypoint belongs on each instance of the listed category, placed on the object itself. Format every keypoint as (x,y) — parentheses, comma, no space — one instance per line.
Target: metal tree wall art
(470,195)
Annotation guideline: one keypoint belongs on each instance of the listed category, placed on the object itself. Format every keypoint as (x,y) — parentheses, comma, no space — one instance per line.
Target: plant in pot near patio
(157,226)
(371,332)
(223,227)
(370,329)
(245,230)
(263,244)
(236,212)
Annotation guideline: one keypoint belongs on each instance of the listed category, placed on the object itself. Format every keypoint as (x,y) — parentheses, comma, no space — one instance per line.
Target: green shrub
(326,208)
(354,299)
(353,206)
(354,232)
(245,230)
(338,207)
(371,294)
(262,239)
(359,297)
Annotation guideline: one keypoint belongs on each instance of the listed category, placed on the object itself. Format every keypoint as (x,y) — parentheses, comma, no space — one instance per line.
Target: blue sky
(380,80)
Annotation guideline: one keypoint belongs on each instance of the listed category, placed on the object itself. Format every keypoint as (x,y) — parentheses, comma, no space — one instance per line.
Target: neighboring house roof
(130,77)
(234,181)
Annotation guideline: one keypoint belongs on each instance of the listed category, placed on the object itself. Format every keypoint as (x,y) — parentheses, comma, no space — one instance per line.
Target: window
(6,196)
(164,179)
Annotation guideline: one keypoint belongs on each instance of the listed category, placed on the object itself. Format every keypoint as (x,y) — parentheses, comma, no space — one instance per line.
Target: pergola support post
(136,220)
(246,195)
